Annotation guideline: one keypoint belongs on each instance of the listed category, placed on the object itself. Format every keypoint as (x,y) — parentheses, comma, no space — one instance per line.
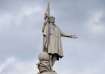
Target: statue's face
(52,19)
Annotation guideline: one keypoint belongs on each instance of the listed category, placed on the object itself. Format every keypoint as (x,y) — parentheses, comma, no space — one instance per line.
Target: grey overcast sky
(21,38)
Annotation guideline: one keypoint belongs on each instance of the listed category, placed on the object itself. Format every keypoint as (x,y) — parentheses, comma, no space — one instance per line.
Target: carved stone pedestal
(49,73)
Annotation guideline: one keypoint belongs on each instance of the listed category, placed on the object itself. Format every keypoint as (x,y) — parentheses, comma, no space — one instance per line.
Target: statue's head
(52,19)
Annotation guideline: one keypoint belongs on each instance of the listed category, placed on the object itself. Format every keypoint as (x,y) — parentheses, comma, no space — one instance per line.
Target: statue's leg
(53,59)
(50,61)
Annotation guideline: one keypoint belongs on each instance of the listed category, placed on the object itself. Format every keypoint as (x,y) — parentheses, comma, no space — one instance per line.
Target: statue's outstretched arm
(68,35)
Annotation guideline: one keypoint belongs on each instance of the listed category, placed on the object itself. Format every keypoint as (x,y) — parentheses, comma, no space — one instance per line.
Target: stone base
(49,73)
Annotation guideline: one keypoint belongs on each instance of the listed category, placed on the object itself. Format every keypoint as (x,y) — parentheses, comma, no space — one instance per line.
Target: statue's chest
(54,31)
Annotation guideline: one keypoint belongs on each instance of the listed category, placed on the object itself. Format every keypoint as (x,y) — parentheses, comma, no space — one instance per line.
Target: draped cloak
(52,39)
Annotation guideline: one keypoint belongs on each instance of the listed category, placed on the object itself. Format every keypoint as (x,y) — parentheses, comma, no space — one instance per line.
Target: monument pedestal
(48,73)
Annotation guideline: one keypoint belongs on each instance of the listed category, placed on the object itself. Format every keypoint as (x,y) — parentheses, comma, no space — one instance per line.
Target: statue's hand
(74,36)
(44,34)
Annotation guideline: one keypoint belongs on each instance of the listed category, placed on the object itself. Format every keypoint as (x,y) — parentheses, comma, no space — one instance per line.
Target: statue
(52,46)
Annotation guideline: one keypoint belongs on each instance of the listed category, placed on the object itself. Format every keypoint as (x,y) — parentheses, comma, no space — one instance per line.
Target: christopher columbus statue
(52,46)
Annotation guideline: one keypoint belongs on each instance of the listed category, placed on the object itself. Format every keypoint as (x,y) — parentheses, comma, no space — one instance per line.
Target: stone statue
(52,46)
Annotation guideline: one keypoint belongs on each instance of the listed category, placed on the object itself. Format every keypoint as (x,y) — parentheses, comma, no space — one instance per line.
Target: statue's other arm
(43,30)
(43,27)
(45,21)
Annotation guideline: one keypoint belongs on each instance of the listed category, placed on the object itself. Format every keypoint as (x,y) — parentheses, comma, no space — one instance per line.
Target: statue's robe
(52,39)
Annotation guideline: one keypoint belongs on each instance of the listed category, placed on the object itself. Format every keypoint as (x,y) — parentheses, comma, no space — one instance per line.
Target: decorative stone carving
(44,65)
